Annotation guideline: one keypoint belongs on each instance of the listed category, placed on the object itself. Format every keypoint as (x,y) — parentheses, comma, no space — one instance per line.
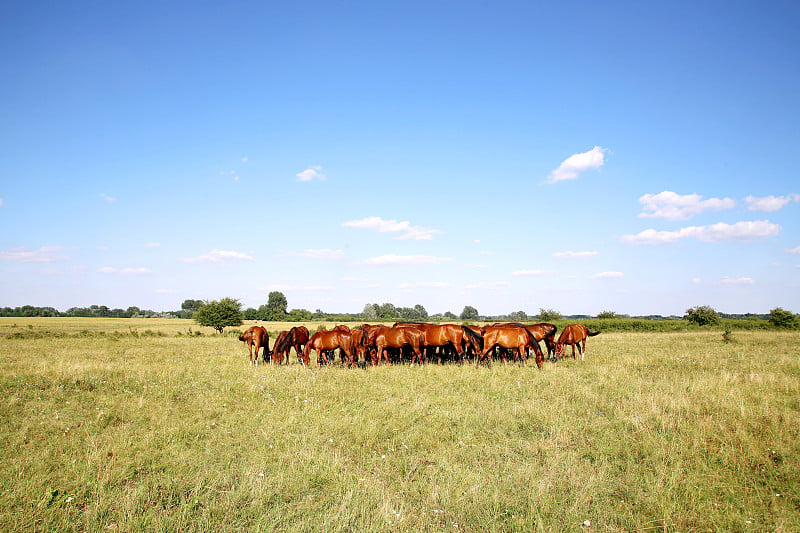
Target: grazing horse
(324,341)
(513,338)
(386,337)
(255,337)
(541,331)
(535,332)
(547,332)
(278,355)
(442,336)
(574,335)
(369,332)
(295,338)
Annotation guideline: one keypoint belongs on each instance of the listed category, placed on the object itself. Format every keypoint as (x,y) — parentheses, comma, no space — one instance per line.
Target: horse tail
(592,333)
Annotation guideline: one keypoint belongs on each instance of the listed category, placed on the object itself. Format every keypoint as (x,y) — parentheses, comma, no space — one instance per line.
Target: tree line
(229,311)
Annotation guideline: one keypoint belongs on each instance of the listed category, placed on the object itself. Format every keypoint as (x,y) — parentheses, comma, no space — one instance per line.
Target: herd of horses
(418,342)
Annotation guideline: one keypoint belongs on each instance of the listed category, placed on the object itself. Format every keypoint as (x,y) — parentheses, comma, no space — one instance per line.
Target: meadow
(131,425)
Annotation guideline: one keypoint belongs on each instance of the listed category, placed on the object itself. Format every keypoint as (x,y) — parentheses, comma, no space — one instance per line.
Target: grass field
(106,427)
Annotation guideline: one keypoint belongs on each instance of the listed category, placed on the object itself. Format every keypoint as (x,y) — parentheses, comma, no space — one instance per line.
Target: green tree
(469,313)
(780,318)
(188,307)
(548,315)
(702,315)
(219,314)
(518,316)
(276,306)
(299,315)
(370,312)
(607,314)
(387,311)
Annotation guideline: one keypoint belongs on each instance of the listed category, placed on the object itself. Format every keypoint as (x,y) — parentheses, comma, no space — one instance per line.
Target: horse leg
(583,346)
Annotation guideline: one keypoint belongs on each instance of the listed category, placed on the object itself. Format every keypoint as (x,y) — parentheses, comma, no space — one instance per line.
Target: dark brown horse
(326,341)
(513,338)
(574,335)
(255,337)
(296,338)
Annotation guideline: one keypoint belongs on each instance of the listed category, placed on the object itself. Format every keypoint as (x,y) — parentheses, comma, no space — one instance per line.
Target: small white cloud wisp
(673,206)
(574,165)
(720,232)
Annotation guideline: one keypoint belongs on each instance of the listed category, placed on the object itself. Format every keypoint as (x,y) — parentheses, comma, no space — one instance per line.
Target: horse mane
(472,335)
(286,342)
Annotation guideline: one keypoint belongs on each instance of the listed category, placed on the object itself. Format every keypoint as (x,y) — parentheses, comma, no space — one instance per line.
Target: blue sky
(633,157)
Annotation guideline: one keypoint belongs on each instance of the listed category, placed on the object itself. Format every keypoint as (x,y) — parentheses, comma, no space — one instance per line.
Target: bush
(702,315)
(218,315)
(780,318)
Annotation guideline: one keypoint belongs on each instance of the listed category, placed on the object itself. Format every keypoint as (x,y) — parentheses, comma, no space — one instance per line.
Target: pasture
(109,427)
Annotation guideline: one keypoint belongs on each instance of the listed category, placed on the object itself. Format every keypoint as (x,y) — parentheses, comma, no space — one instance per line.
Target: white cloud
(793,250)
(1,202)
(489,285)
(533,273)
(697,280)
(244,160)
(217,256)
(112,270)
(417,233)
(674,206)
(321,254)
(607,275)
(770,203)
(720,232)
(45,254)
(574,255)
(577,163)
(107,198)
(737,281)
(311,173)
(425,284)
(405,260)
(153,244)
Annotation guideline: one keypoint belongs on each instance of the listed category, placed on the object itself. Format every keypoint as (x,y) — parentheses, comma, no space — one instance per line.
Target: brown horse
(255,337)
(400,337)
(368,334)
(278,355)
(574,335)
(541,331)
(513,338)
(536,331)
(442,336)
(295,338)
(325,341)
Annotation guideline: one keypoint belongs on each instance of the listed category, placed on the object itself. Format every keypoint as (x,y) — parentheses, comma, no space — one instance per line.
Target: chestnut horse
(295,338)
(255,337)
(324,341)
(386,337)
(541,331)
(514,338)
(574,335)
(441,336)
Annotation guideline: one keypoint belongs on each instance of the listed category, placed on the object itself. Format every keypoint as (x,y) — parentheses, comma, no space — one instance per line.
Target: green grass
(652,432)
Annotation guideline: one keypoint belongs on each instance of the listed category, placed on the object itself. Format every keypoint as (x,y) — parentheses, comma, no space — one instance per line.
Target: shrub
(780,318)
(702,315)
